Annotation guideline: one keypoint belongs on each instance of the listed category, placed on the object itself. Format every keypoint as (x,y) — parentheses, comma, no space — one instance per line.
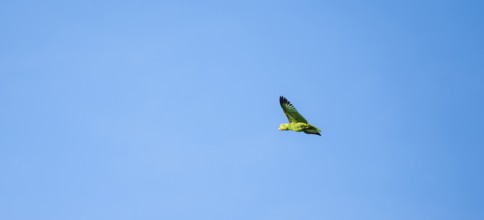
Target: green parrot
(296,121)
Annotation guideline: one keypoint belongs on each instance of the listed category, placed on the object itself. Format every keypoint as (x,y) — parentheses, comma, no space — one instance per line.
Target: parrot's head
(283,127)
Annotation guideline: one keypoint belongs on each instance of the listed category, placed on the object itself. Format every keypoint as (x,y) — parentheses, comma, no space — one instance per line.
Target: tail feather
(312,132)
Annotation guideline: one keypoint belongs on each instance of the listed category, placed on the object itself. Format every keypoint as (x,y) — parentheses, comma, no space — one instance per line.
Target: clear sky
(169,110)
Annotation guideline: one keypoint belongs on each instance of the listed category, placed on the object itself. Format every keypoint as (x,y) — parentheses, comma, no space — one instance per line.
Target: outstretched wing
(290,111)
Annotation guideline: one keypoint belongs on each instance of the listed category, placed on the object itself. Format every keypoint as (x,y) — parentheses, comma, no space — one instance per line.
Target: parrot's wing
(291,113)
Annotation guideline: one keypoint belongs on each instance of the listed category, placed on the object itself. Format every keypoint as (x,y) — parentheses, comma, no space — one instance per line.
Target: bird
(297,122)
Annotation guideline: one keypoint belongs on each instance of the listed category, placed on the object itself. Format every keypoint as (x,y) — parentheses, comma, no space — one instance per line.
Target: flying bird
(296,121)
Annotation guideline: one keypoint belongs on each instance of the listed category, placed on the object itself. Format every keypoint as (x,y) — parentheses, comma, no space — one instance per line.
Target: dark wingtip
(283,100)
(318,134)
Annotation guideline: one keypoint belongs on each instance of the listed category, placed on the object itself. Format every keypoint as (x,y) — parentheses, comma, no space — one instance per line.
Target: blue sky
(169,110)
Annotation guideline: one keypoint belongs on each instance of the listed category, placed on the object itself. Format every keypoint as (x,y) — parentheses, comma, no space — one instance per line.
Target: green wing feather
(291,113)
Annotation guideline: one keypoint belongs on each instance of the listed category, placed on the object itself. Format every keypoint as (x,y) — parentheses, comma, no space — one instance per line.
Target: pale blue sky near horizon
(169,110)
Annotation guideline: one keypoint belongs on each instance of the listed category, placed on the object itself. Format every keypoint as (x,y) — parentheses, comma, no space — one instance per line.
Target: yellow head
(283,127)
